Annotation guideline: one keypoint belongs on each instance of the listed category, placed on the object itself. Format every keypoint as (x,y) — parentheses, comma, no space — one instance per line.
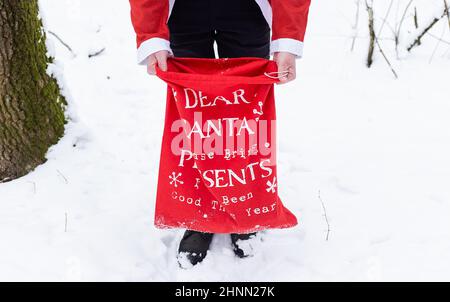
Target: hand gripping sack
(218,159)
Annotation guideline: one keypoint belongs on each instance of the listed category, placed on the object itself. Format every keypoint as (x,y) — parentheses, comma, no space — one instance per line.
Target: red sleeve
(149,18)
(290,18)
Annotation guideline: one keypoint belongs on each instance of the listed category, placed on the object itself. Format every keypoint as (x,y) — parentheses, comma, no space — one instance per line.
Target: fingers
(151,67)
(286,66)
(161,58)
(157,59)
(289,74)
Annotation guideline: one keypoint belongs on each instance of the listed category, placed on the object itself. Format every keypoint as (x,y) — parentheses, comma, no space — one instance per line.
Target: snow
(377,149)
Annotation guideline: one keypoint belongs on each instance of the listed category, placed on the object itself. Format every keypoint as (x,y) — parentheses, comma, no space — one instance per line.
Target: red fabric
(215,107)
(149,18)
(290,18)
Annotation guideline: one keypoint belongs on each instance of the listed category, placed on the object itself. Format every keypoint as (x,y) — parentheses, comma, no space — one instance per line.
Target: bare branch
(62,176)
(355,26)
(403,18)
(326,216)
(425,31)
(437,45)
(416,21)
(439,39)
(374,40)
(62,42)
(386,59)
(97,53)
(65,222)
(369,9)
(385,18)
(399,27)
(392,29)
(447,12)
(34,186)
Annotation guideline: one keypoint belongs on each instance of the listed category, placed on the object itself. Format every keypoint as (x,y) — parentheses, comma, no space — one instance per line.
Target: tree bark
(31,107)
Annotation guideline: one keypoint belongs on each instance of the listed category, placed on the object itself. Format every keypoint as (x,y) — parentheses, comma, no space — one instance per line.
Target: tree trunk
(31,106)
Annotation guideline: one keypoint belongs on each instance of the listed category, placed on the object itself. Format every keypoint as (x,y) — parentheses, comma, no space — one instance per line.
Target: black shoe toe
(193,247)
(237,240)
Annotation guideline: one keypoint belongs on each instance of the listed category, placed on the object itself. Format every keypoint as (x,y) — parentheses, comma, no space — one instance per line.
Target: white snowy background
(375,147)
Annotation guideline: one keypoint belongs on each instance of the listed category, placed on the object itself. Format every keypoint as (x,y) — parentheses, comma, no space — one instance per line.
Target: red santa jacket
(288,19)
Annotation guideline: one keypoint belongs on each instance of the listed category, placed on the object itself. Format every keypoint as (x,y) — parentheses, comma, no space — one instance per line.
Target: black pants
(237,26)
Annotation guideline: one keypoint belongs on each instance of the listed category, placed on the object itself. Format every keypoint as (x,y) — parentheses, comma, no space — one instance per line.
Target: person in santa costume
(240,28)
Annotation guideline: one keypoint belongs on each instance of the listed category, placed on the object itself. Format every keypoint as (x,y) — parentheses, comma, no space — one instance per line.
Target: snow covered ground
(376,148)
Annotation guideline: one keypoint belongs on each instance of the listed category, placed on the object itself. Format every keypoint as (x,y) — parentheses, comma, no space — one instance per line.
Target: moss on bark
(31,105)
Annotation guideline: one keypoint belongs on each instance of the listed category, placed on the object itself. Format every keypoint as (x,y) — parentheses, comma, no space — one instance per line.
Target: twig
(437,45)
(61,41)
(399,27)
(385,18)
(447,12)
(374,41)
(62,175)
(386,59)
(439,39)
(34,186)
(379,34)
(403,18)
(391,28)
(416,21)
(65,223)
(97,53)
(425,31)
(326,217)
(355,26)
(371,34)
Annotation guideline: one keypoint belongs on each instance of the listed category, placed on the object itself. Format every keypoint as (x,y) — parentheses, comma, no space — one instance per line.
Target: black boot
(241,244)
(193,247)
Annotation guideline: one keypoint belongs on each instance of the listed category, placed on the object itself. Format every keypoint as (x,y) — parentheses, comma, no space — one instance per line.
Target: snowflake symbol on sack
(259,111)
(271,185)
(174,179)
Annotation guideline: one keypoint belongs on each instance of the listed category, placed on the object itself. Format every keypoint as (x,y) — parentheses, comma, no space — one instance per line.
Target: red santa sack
(218,163)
